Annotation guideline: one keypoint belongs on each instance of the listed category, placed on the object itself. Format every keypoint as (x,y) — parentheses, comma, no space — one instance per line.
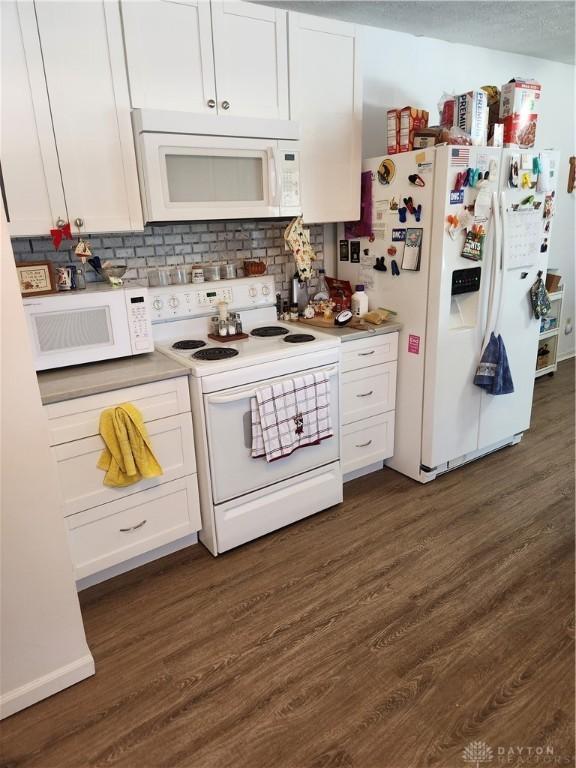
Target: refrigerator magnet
(344,250)
(412,249)
(398,235)
(386,171)
(355,251)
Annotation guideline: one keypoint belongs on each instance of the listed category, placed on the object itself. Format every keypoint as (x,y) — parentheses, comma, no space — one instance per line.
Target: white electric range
(243,498)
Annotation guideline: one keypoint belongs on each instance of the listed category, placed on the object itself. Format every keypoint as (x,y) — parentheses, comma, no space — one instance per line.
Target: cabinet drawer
(367,441)
(371,351)
(115,532)
(75,419)
(368,392)
(81,482)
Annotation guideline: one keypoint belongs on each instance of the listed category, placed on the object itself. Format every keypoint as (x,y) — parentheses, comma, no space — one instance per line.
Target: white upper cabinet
(169,54)
(34,195)
(326,100)
(225,58)
(83,56)
(251,59)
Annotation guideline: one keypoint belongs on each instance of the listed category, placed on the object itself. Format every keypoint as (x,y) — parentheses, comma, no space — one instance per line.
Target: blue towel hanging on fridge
(493,373)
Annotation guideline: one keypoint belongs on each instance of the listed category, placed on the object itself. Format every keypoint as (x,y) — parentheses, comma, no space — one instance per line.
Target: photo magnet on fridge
(398,235)
(412,249)
(344,250)
(355,251)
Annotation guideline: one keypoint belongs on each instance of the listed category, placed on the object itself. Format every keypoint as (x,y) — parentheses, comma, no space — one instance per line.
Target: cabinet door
(251,59)
(83,60)
(325,98)
(169,54)
(30,170)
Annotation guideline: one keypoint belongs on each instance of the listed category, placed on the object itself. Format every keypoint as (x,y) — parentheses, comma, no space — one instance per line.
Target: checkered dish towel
(289,415)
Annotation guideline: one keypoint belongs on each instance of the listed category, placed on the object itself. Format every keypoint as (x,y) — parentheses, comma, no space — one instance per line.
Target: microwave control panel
(139,322)
(290,178)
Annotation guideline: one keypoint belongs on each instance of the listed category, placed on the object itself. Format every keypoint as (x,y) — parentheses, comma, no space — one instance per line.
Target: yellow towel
(128,455)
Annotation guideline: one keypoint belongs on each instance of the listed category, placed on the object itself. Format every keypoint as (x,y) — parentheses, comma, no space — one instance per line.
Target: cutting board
(319,322)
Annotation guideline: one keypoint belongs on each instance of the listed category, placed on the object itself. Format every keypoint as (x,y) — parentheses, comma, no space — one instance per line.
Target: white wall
(43,646)
(401,70)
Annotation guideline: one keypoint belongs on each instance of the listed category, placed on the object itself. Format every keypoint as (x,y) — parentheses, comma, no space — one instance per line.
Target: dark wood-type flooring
(388,632)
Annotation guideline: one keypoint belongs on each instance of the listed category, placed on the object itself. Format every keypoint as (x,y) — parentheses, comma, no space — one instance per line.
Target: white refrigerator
(449,304)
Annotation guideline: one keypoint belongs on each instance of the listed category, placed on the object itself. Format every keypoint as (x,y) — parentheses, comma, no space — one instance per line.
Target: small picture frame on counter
(36,278)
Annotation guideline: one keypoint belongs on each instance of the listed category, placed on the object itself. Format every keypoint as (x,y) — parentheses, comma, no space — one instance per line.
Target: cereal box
(411,120)
(471,115)
(392,130)
(519,104)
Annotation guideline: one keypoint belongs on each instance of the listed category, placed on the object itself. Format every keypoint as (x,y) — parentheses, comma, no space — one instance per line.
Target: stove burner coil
(269,330)
(298,338)
(189,344)
(215,353)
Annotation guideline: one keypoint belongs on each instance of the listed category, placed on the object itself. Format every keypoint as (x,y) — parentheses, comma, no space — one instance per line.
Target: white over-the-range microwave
(99,323)
(195,167)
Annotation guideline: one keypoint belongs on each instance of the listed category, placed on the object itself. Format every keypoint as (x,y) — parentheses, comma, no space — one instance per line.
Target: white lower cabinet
(81,483)
(367,441)
(112,533)
(108,526)
(368,402)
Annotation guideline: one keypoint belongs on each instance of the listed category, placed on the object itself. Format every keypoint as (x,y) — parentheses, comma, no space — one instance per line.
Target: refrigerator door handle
(502,218)
(495,265)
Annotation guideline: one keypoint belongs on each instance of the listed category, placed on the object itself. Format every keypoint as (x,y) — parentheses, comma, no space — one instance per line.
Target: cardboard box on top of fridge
(401,126)
(471,115)
(519,105)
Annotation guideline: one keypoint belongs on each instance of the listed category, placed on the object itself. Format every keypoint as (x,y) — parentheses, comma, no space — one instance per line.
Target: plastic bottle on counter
(322,293)
(359,301)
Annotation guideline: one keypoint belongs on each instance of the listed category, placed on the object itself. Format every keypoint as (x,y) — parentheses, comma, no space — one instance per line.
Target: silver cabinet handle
(60,222)
(365,354)
(79,222)
(133,527)
(363,445)
(211,103)
(365,394)
(225,105)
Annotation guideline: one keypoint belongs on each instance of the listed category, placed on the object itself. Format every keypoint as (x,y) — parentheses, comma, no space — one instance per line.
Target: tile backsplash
(172,244)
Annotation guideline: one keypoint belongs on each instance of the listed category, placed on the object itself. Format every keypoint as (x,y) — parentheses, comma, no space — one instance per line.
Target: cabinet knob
(60,222)
(79,222)
(211,103)
(225,105)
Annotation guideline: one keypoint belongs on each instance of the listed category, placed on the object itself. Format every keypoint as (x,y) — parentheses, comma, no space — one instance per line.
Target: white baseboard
(136,562)
(363,471)
(45,686)
(566,356)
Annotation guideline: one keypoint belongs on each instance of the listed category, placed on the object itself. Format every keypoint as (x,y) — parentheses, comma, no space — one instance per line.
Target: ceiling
(541,28)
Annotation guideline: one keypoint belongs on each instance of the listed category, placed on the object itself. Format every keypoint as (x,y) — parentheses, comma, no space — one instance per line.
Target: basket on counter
(253,268)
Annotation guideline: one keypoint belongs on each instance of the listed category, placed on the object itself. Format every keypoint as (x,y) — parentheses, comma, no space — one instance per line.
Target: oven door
(73,329)
(190,177)
(228,422)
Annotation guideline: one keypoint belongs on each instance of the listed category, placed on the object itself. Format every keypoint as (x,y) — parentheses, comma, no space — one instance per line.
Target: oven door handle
(244,393)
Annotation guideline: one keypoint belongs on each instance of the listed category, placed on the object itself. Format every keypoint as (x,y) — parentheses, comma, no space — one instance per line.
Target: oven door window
(234,472)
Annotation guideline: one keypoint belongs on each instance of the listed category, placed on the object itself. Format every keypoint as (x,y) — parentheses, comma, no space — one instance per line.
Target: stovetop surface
(247,352)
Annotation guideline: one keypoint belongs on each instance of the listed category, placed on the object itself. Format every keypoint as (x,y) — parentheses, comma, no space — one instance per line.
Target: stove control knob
(265,290)
(157,304)
(173,301)
(253,291)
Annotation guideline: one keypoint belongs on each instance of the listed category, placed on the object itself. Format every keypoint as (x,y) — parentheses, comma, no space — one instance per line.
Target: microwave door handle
(246,393)
(273,180)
